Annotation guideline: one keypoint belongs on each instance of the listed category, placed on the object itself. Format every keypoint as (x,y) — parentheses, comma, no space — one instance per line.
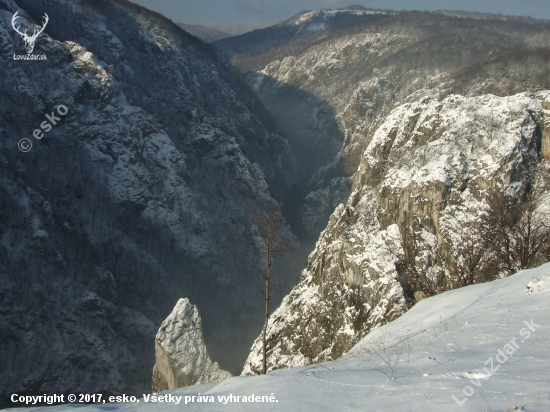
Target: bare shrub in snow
(522,236)
(390,355)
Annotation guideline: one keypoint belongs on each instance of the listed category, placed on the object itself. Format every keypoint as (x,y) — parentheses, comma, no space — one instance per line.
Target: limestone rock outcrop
(181,358)
(432,160)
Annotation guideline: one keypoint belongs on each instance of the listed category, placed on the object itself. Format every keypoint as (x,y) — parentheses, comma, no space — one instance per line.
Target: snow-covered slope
(486,345)
(303,26)
(181,355)
(430,160)
(324,19)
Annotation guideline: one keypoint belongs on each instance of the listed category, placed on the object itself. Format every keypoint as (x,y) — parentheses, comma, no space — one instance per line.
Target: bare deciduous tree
(522,236)
(467,262)
(417,262)
(272,241)
(513,235)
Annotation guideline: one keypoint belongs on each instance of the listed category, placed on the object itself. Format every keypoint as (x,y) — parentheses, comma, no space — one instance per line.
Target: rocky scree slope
(181,358)
(138,196)
(437,161)
(329,92)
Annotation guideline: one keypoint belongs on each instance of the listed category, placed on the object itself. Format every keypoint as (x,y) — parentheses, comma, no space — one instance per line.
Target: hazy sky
(238,16)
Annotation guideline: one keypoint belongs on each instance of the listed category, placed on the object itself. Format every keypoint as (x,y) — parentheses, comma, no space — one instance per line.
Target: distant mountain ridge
(330,89)
(303,26)
(204,33)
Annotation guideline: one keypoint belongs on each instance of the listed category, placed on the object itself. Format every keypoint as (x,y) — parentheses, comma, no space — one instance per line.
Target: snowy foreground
(485,345)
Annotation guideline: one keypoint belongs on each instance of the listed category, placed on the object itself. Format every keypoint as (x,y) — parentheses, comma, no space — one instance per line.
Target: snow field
(439,350)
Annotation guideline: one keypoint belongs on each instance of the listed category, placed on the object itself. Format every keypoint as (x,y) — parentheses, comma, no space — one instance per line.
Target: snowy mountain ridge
(333,92)
(322,19)
(483,346)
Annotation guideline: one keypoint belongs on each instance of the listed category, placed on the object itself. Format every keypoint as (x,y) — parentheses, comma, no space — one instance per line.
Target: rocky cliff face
(137,196)
(545,151)
(181,358)
(330,94)
(435,160)
(362,104)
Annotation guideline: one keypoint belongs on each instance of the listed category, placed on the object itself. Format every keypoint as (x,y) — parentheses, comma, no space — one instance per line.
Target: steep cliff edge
(435,161)
(137,196)
(335,91)
(545,151)
(181,358)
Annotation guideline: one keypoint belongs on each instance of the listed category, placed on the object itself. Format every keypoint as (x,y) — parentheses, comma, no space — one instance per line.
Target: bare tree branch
(272,242)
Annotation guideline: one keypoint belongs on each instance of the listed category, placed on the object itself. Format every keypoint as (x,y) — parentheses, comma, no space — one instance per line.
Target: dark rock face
(136,197)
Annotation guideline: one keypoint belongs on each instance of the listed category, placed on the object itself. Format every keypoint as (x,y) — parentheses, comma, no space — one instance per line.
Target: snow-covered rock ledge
(446,341)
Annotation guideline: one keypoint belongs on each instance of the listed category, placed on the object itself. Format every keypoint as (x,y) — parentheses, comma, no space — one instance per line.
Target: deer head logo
(29,40)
